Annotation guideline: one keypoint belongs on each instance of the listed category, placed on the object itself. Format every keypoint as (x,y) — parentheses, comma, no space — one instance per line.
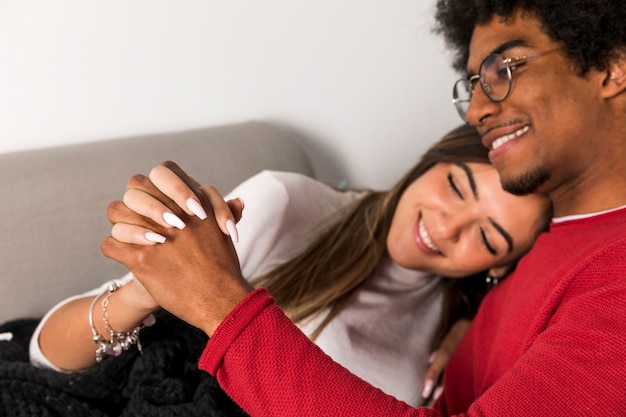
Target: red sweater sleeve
(270,368)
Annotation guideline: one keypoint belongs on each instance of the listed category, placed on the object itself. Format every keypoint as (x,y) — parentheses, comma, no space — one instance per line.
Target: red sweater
(548,341)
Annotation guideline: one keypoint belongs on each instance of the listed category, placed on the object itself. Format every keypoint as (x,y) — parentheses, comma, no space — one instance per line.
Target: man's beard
(527,183)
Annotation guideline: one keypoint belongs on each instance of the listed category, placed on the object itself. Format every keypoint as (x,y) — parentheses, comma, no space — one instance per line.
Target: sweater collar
(584,216)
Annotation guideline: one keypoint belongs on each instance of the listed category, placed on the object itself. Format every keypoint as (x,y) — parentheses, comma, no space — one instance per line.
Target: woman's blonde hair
(341,259)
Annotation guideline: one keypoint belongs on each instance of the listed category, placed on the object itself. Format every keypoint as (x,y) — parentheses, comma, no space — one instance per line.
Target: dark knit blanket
(163,381)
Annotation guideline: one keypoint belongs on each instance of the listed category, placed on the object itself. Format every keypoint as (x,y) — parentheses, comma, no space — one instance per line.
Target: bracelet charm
(117,342)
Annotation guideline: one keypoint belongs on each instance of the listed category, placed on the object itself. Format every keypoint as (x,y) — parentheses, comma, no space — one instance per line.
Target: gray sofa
(53,211)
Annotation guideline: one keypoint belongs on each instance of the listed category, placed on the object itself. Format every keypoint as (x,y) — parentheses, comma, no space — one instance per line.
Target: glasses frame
(471,81)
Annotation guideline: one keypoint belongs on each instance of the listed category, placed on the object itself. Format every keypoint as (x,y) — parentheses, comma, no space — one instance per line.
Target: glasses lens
(495,77)
(461,96)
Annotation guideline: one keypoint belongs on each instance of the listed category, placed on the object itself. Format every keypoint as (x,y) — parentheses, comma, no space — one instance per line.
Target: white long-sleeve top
(383,335)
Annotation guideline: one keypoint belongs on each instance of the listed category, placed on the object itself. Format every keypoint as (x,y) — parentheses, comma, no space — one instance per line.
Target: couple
(546,91)
(363,274)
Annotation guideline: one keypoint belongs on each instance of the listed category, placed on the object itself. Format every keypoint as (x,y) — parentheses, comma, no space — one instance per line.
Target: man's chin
(527,183)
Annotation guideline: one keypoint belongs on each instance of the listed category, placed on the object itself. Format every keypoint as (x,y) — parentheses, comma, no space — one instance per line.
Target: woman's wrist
(130,318)
(125,309)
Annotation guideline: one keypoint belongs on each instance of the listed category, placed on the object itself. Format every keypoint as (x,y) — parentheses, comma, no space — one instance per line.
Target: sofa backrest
(54,200)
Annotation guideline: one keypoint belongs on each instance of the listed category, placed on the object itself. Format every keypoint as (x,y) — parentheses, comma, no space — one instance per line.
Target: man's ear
(614,82)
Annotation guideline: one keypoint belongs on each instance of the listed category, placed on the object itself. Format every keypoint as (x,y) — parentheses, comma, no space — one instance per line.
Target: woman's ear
(614,81)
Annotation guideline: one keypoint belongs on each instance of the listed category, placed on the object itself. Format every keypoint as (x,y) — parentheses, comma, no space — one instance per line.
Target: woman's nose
(452,225)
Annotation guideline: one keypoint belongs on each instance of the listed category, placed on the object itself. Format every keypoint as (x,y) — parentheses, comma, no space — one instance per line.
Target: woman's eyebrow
(470,177)
(504,233)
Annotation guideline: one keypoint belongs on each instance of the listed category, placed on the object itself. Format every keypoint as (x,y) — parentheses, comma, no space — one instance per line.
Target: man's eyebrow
(504,233)
(508,45)
(500,49)
(470,177)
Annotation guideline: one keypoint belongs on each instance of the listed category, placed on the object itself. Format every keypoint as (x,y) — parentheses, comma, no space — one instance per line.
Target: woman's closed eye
(485,242)
(454,187)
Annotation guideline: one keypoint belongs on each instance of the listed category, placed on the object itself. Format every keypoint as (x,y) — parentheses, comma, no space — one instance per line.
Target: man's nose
(480,107)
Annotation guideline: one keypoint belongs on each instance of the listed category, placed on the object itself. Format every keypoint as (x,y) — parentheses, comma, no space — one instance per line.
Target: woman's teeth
(425,238)
(504,139)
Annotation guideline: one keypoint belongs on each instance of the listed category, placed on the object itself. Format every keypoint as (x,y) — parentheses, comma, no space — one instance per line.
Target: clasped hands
(196,274)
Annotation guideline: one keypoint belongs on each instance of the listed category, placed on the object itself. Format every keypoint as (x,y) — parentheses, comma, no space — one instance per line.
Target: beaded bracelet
(117,342)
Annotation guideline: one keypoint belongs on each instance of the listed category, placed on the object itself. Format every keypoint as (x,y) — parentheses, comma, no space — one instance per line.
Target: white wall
(363,81)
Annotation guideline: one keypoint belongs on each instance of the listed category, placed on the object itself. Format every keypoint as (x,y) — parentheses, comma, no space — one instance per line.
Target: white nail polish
(428,388)
(196,208)
(173,220)
(438,393)
(154,237)
(232,230)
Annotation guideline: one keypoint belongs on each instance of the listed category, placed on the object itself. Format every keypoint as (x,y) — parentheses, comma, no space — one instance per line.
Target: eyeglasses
(495,79)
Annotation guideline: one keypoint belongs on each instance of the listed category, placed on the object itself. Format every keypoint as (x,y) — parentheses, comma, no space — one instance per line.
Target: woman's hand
(195,274)
(172,186)
(143,203)
(439,359)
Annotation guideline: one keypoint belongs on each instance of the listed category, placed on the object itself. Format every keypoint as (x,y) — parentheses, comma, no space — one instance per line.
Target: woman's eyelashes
(485,242)
(454,187)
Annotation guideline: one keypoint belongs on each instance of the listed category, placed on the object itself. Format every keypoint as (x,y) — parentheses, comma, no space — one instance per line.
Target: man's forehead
(500,34)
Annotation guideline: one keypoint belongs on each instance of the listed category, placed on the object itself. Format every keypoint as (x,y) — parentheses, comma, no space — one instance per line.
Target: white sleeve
(36,356)
(282,214)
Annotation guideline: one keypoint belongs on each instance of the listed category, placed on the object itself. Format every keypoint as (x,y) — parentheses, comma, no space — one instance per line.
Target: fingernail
(196,208)
(438,393)
(173,220)
(428,388)
(6,336)
(242,203)
(431,358)
(232,230)
(154,237)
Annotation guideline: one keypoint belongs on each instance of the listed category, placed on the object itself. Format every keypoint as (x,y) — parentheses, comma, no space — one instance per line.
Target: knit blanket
(163,381)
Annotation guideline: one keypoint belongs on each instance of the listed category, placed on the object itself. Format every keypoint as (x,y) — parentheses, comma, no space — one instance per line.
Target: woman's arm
(65,339)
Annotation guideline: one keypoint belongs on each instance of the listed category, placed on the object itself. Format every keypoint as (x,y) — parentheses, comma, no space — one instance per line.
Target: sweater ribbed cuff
(229,329)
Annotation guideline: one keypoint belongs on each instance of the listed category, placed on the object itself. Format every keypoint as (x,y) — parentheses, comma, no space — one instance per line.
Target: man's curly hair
(590,31)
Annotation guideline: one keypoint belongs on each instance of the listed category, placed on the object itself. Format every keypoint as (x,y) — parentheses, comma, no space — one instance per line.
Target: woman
(362,273)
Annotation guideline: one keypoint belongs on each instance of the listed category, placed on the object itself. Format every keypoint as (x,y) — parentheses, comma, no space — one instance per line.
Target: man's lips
(495,138)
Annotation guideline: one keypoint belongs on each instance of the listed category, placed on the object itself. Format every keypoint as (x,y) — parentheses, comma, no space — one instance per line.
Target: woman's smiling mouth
(424,238)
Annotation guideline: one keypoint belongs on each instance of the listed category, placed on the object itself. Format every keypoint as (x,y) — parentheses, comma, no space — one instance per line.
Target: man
(547,92)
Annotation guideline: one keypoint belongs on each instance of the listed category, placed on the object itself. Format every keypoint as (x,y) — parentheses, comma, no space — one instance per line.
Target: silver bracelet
(117,342)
